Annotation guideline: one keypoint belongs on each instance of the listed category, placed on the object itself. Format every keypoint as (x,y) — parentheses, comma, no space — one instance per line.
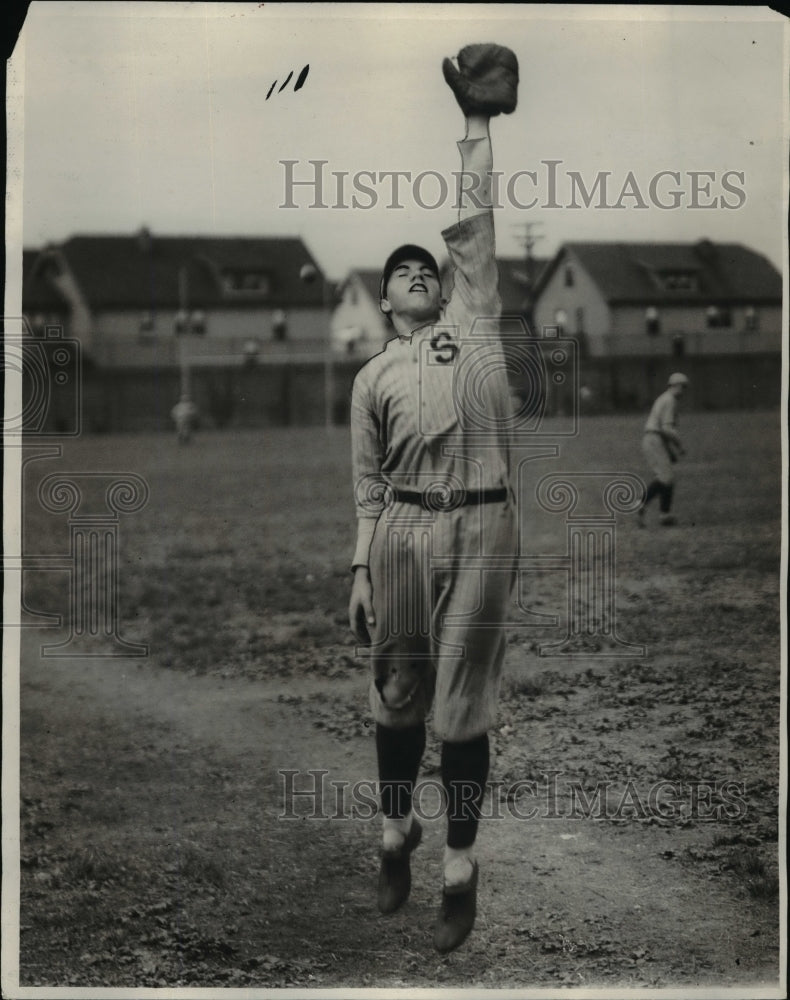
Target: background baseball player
(432,494)
(184,415)
(662,446)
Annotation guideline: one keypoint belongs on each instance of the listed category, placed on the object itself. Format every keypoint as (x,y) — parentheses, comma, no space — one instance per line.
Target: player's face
(413,291)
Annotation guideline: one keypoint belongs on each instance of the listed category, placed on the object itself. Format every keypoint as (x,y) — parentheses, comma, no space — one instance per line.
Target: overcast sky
(157,114)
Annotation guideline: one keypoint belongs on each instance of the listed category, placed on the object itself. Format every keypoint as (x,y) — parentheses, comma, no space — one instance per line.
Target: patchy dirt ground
(632,836)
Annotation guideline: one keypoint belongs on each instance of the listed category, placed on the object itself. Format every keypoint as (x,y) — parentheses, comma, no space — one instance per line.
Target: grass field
(151,851)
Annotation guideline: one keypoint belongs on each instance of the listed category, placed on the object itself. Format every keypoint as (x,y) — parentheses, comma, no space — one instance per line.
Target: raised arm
(471,243)
(485,84)
(477,163)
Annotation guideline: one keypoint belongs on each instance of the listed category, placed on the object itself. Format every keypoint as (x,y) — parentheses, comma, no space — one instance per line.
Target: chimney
(707,251)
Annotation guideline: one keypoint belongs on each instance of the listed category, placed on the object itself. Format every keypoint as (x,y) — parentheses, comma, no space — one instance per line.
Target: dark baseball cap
(409,251)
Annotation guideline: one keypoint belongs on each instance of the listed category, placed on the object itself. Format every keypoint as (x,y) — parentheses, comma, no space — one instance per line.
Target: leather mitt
(486,80)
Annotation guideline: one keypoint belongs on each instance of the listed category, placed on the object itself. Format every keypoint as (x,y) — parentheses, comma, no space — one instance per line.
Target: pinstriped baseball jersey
(435,408)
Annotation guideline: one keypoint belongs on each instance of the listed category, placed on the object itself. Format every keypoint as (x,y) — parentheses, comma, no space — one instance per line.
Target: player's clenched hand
(361,616)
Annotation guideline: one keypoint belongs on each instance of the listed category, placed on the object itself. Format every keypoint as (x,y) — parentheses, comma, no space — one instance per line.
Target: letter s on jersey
(443,347)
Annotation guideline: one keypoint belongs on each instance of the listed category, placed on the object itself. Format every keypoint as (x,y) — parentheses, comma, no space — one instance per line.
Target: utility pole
(528,236)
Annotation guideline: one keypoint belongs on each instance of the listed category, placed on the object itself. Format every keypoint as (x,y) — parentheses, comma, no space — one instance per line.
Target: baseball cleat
(668,520)
(395,872)
(457,914)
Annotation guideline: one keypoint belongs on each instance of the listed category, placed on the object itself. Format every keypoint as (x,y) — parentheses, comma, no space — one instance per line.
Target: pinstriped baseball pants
(657,457)
(439,639)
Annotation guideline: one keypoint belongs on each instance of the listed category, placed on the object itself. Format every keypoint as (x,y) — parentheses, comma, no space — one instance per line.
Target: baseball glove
(486,80)
(673,449)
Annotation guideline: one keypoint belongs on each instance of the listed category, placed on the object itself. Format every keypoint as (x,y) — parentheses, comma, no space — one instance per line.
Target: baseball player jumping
(436,544)
(661,446)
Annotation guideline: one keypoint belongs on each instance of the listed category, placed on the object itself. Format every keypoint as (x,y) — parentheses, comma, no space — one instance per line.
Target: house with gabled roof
(45,304)
(136,300)
(674,299)
(359,328)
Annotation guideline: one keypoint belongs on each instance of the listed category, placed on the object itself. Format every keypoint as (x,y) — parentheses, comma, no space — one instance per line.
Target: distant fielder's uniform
(430,422)
(656,447)
(184,415)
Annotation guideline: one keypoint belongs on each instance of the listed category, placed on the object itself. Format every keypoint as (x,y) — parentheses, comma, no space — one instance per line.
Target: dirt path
(163,811)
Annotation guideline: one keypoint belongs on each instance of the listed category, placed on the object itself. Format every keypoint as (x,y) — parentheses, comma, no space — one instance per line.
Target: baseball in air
(308,274)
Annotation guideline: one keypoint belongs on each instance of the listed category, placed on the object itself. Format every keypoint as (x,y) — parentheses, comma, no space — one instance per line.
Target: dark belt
(444,500)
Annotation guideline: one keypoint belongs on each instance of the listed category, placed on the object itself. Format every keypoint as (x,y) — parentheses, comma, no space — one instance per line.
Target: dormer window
(679,281)
(244,281)
(569,276)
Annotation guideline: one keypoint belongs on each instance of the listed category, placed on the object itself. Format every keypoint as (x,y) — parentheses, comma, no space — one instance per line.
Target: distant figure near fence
(184,415)
(661,446)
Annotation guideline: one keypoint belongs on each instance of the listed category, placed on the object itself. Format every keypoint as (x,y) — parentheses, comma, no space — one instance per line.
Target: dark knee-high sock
(464,776)
(666,498)
(653,490)
(399,753)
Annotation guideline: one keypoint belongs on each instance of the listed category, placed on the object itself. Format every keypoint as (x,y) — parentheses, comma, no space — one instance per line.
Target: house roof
(143,270)
(631,272)
(371,279)
(513,282)
(38,294)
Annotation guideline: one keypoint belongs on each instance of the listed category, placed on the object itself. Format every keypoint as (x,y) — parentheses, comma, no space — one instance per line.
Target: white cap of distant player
(677,378)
